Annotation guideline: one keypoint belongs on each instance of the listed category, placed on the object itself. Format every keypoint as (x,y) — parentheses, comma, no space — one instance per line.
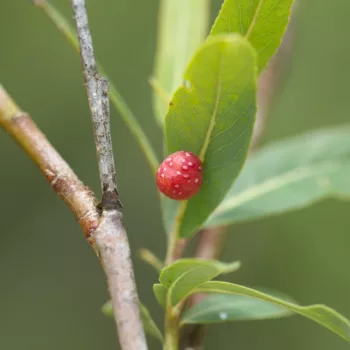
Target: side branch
(79,198)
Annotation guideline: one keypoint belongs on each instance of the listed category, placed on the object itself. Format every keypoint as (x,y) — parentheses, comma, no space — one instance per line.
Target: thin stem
(110,238)
(78,197)
(175,249)
(171,341)
(117,100)
(97,90)
(176,245)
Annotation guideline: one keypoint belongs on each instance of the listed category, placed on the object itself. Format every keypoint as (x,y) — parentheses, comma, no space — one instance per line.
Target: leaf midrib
(214,114)
(255,17)
(274,184)
(306,311)
(183,206)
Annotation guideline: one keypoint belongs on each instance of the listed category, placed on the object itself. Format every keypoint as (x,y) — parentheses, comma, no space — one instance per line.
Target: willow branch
(110,238)
(79,198)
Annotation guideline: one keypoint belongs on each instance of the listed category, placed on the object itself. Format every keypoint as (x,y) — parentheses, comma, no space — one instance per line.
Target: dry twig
(110,237)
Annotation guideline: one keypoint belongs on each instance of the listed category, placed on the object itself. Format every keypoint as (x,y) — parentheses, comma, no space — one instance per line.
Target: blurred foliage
(52,286)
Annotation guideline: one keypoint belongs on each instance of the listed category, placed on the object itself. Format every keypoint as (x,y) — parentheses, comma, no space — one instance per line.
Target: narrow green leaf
(213,116)
(262,22)
(184,275)
(160,293)
(148,324)
(321,314)
(182,27)
(217,308)
(148,257)
(288,175)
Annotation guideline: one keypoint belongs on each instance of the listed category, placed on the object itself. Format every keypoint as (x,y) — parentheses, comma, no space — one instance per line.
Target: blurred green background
(52,287)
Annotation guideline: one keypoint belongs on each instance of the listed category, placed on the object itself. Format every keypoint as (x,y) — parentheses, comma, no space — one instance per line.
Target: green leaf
(160,293)
(217,308)
(184,275)
(182,27)
(289,174)
(262,22)
(213,116)
(148,324)
(321,314)
(148,257)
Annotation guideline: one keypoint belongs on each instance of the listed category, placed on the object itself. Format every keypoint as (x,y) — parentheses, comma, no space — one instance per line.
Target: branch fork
(102,223)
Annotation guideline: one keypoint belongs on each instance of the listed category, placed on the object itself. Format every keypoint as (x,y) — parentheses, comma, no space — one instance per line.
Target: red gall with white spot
(179,177)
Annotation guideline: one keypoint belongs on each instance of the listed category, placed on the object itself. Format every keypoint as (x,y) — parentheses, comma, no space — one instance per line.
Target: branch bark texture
(79,198)
(110,238)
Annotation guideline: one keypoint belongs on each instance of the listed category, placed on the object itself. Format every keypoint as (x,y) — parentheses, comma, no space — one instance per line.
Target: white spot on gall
(163,175)
(199,168)
(186,176)
(190,163)
(164,169)
(177,186)
(180,193)
(178,172)
(170,164)
(187,154)
(183,160)
(196,181)
(168,160)
(184,167)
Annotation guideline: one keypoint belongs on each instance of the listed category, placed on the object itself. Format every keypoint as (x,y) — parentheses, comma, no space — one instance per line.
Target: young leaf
(262,22)
(148,324)
(182,27)
(289,174)
(217,308)
(160,293)
(148,257)
(321,314)
(186,274)
(213,116)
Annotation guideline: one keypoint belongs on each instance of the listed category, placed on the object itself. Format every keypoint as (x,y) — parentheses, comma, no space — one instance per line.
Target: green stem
(176,245)
(171,341)
(126,114)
